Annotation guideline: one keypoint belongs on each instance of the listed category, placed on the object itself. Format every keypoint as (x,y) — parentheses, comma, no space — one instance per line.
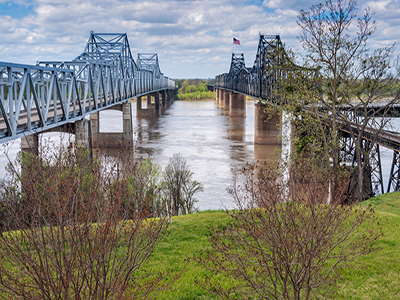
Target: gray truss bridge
(37,98)
(261,81)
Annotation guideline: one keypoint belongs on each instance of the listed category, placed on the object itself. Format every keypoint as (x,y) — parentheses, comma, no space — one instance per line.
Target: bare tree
(284,241)
(356,88)
(68,232)
(180,188)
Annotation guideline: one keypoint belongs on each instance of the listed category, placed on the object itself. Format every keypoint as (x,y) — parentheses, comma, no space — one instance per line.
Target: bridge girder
(52,93)
(262,80)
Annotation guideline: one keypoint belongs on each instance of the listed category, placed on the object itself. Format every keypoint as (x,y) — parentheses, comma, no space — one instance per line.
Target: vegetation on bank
(73,226)
(194,89)
(373,276)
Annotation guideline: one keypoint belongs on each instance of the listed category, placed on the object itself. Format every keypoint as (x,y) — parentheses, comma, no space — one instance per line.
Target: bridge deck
(38,98)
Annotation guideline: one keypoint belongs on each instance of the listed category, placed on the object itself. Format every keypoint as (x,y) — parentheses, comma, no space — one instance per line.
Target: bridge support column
(237,105)
(217,95)
(152,110)
(127,134)
(163,100)
(169,98)
(157,105)
(30,144)
(265,123)
(138,104)
(112,139)
(266,136)
(225,105)
(83,133)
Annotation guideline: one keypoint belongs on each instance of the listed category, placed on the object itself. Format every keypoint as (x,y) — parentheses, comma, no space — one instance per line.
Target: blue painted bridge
(51,94)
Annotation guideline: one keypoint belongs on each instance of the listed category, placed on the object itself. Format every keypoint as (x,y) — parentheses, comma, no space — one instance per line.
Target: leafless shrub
(179,187)
(68,232)
(285,241)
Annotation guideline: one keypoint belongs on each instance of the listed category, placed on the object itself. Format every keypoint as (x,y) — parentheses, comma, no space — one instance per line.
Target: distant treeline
(194,89)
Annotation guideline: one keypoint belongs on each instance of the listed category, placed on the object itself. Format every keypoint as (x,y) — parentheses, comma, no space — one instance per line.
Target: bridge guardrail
(53,93)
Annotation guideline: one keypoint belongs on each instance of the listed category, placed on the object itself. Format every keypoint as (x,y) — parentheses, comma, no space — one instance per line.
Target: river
(212,144)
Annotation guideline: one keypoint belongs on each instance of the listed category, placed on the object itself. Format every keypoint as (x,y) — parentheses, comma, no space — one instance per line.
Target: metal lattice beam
(53,93)
(262,80)
(394,176)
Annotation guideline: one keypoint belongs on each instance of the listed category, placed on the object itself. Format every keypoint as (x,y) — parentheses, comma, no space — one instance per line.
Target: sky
(193,39)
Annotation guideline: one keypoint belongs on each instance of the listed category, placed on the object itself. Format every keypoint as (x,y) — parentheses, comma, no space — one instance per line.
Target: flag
(235,41)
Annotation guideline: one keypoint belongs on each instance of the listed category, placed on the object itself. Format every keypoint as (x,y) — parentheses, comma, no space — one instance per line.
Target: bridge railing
(38,98)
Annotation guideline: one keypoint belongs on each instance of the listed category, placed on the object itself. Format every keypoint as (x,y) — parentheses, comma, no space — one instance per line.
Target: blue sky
(192,38)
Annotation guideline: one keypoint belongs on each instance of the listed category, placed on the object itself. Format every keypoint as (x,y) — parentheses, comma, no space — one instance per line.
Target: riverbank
(205,95)
(377,277)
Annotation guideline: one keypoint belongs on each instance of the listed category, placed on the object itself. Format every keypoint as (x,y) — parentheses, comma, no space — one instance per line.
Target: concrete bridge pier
(163,101)
(112,139)
(225,104)
(152,110)
(171,95)
(138,104)
(221,99)
(149,104)
(217,95)
(237,105)
(267,136)
(83,134)
(157,105)
(80,128)
(267,120)
(169,98)
(30,144)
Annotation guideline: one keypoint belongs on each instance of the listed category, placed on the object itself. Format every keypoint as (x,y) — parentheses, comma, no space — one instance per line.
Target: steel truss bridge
(270,67)
(36,98)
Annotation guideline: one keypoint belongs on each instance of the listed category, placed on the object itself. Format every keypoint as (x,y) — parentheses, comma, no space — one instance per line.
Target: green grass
(377,275)
(187,236)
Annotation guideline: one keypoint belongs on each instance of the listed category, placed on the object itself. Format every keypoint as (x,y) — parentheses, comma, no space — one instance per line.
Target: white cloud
(192,38)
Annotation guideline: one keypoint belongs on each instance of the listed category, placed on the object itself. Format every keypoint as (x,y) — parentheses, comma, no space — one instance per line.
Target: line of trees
(194,89)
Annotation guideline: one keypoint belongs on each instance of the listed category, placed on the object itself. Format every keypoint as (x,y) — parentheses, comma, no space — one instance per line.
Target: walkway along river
(211,143)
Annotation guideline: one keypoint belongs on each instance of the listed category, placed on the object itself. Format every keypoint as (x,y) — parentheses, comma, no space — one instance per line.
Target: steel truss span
(37,98)
(271,66)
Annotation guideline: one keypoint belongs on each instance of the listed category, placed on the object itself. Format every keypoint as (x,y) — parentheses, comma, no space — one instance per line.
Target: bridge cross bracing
(36,98)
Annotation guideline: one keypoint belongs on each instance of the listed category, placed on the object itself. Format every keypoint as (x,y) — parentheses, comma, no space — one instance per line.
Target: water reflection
(147,130)
(210,141)
(212,144)
(124,156)
(267,152)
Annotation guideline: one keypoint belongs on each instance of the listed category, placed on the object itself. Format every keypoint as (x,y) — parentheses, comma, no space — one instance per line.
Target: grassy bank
(377,277)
